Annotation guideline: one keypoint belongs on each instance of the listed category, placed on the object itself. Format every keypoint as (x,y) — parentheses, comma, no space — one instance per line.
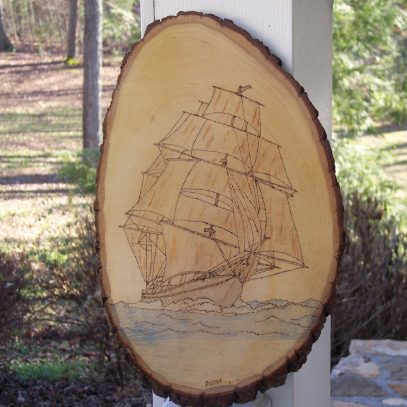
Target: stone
(351,385)
(356,364)
(400,388)
(394,402)
(397,368)
(379,347)
(336,403)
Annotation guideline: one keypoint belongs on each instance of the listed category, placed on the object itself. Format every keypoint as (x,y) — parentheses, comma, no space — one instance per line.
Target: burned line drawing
(214,206)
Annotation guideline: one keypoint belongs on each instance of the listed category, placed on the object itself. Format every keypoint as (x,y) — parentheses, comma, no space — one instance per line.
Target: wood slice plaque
(219,215)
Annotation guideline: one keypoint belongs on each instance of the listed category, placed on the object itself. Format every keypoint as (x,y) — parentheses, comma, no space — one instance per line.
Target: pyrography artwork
(219,215)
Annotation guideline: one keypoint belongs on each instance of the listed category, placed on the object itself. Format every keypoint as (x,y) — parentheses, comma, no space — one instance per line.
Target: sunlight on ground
(394,145)
(40,124)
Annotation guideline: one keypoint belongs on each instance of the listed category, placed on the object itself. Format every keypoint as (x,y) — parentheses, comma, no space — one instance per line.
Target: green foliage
(72,62)
(14,280)
(51,370)
(370,291)
(80,169)
(370,82)
(121,25)
(50,258)
(373,273)
(361,169)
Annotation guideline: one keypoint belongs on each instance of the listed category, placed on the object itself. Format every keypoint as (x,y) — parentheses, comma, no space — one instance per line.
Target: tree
(73,24)
(92,64)
(5,43)
(370,85)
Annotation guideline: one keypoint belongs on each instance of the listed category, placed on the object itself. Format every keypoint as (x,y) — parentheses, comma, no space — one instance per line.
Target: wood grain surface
(219,215)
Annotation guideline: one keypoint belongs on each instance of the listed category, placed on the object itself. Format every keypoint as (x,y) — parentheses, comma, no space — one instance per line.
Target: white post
(299,32)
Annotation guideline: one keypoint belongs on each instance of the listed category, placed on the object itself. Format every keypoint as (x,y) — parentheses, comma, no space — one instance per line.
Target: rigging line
(141,189)
(201,200)
(301,264)
(285,171)
(244,116)
(224,257)
(145,264)
(141,230)
(265,212)
(207,223)
(259,116)
(237,216)
(175,126)
(228,125)
(202,235)
(275,274)
(137,260)
(247,226)
(241,152)
(150,257)
(202,190)
(155,254)
(248,202)
(198,134)
(296,231)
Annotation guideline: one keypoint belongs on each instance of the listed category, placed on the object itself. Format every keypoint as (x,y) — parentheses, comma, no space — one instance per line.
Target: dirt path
(40,125)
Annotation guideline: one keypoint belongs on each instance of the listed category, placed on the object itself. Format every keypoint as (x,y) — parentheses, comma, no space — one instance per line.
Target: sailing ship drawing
(214,206)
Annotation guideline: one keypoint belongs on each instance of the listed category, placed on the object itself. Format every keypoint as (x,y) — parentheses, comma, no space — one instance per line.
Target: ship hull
(223,290)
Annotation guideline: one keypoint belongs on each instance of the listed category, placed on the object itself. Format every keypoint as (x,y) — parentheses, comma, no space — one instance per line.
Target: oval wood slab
(219,215)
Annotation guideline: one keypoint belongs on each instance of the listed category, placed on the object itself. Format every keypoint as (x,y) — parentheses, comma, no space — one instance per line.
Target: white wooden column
(299,32)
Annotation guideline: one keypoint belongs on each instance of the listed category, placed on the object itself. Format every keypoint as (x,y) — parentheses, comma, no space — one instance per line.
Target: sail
(206,219)
(188,251)
(252,115)
(202,108)
(152,174)
(148,249)
(230,108)
(210,184)
(161,200)
(183,137)
(246,211)
(224,145)
(281,238)
(268,165)
(205,204)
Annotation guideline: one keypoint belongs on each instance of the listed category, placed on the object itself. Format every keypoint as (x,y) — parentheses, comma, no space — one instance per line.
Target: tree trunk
(5,43)
(92,63)
(73,25)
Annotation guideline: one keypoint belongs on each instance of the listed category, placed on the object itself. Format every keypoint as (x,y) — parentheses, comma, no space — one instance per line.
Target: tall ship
(213,211)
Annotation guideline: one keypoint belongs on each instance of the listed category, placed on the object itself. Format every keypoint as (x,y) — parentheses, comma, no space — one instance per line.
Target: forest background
(55,344)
